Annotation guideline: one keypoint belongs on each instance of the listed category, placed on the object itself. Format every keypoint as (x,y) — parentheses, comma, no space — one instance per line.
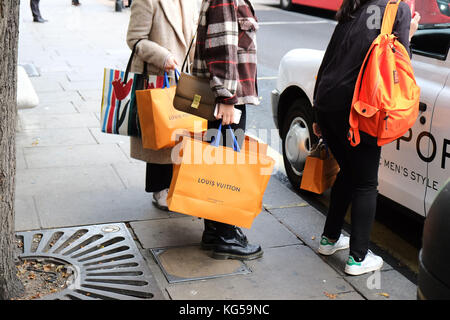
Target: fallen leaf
(330,295)
(313,238)
(384,294)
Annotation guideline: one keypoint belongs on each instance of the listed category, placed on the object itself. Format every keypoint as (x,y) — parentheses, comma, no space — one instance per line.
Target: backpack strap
(389,16)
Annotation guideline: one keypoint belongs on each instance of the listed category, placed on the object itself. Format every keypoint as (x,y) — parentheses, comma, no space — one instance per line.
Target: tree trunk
(10,285)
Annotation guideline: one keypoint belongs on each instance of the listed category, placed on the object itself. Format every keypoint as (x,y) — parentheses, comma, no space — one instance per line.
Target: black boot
(39,19)
(228,242)
(210,237)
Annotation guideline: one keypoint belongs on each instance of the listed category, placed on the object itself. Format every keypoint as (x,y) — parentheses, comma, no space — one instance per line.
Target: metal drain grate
(107,263)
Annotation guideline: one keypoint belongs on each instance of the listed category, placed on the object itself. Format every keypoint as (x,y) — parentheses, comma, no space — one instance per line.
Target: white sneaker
(370,263)
(160,199)
(328,248)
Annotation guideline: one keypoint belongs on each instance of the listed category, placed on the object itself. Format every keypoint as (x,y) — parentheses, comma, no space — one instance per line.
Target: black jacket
(346,51)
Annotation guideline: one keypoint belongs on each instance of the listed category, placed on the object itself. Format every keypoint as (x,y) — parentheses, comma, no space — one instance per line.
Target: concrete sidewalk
(70,174)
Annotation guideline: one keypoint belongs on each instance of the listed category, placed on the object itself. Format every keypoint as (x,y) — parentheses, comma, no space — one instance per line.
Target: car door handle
(422,107)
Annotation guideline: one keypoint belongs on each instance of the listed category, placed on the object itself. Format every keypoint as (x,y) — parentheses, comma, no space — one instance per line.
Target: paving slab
(53,121)
(306,222)
(285,273)
(64,208)
(45,181)
(42,85)
(54,137)
(26,217)
(384,285)
(77,155)
(56,97)
(173,232)
(50,108)
(20,159)
(84,85)
(269,232)
(92,94)
(88,106)
(102,137)
(278,195)
(132,175)
(90,75)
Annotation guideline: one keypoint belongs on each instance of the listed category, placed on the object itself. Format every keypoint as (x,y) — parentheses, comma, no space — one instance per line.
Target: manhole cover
(106,262)
(189,263)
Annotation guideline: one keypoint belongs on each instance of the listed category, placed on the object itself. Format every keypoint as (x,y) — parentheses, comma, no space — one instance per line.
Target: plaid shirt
(226,50)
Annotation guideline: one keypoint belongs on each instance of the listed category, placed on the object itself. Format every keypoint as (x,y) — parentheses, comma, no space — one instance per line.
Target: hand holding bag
(320,170)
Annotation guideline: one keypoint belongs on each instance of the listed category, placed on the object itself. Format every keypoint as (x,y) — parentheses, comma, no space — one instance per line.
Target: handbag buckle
(196,102)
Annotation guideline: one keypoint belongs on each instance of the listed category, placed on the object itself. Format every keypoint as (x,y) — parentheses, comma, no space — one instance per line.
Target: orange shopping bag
(320,170)
(219,183)
(160,122)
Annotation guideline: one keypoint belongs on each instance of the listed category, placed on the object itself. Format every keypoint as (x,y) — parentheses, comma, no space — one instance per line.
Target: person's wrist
(167,60)
(229,106)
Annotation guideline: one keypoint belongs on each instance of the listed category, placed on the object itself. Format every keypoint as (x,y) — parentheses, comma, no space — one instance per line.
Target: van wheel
(297,138)
(286,4)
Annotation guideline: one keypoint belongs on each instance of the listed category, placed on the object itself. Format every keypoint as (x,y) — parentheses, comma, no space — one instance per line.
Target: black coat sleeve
(326,58)
(402,25)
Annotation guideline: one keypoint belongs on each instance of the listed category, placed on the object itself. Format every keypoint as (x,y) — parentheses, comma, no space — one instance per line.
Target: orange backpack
(386,99)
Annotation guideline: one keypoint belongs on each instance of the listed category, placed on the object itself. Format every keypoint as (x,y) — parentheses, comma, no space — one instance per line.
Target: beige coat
(165,32)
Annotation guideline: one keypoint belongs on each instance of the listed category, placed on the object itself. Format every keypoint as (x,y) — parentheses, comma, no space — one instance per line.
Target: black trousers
(34,4)
(159,176)
(356,183)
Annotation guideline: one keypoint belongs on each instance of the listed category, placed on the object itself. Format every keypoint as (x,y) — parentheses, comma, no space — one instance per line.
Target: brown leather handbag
(194,94)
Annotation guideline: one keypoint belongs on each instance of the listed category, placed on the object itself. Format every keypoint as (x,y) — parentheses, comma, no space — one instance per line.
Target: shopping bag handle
(215,140)
(321,144)
(127,70)
(166,82)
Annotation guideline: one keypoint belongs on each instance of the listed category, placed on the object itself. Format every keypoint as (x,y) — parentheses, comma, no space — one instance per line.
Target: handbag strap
(190,46)
(188,53)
